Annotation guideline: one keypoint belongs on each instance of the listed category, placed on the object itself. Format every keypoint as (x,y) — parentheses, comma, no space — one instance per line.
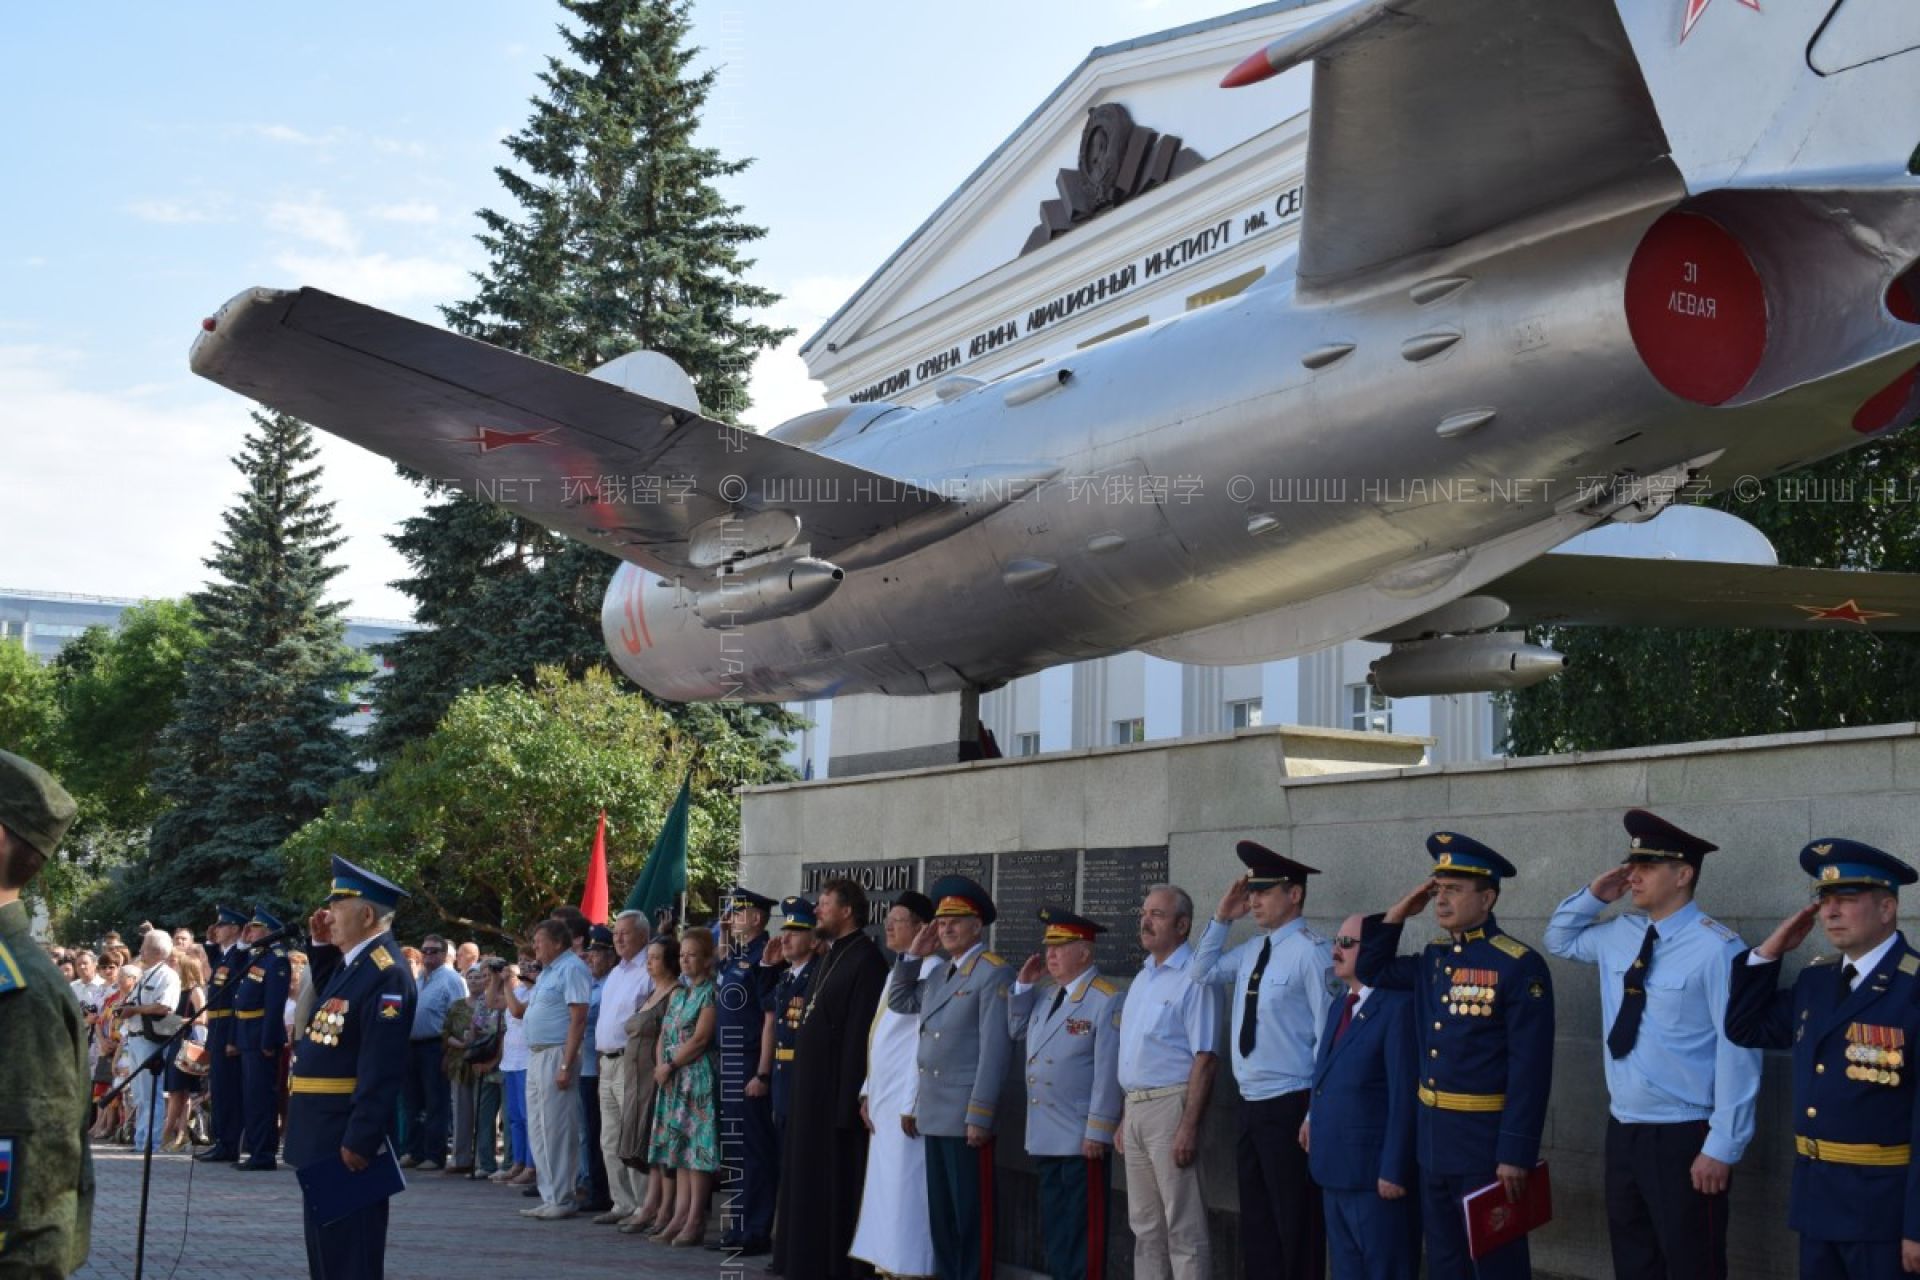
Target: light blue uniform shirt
(1682,1067)
(589,1057)
(438,992)
(1166,1020)
(1294,998)
(562,983)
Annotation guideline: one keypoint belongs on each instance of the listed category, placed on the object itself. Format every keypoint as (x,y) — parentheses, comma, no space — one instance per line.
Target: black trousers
(1660,1227)
(354,1248)
(602,1194)
(1282,1228)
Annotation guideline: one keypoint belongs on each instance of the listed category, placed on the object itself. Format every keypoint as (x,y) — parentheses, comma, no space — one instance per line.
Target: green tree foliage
(1633,687)
(621,241)
(489,820)
(29,708)
(253,749)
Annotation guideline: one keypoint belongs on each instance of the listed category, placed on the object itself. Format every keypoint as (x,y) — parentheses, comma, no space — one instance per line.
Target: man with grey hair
(555,1016)
(1169,1033)
(155,996)
(627,985)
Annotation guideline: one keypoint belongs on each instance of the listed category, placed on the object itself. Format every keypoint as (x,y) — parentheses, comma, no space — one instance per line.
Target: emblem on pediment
(1118,160)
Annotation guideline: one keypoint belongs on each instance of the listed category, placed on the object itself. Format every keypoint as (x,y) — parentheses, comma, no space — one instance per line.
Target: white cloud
(313,220)
(381,279)
(400,147)
(417,211)
(179,212)
(780,387)
(294,137)
(112,492)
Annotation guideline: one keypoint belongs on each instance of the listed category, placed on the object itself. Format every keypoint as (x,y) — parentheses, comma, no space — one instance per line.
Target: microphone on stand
(259,945)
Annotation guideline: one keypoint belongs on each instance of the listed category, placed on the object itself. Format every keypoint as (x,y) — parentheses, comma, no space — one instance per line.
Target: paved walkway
(443,1228)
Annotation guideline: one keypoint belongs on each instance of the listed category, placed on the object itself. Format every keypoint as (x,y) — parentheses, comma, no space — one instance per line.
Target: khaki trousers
(1164,1205)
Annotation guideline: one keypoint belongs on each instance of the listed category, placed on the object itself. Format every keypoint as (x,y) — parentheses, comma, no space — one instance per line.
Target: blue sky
(160,158)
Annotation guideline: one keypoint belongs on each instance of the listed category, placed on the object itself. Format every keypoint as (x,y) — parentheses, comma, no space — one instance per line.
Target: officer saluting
(784,1004)
(259,1033)
(1852,1022)
(1073,1090)
(1281,995)
(229,960)
(1681,1093)
(351,1061)
(1483,1023)
(750,1159)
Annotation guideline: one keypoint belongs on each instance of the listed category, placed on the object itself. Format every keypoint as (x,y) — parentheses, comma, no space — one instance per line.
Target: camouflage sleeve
(46,1178)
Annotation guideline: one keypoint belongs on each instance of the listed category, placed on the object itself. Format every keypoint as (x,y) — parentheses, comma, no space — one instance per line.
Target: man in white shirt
(1169,1040)
(91,990)
(627,985)
(156,995)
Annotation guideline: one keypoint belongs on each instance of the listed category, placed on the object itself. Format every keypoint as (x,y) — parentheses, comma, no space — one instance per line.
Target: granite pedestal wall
(1318,797)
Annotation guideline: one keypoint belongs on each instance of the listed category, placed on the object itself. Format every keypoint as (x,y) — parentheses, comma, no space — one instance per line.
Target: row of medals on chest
(1875,1054)
(1472,992)
(328,1020)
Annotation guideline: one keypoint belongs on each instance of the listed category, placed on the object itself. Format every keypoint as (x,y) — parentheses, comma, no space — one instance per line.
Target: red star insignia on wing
(491,438)
(1847,611)
(1697,7)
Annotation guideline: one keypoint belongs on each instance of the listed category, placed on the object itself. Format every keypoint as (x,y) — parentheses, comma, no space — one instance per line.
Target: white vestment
(893,1234)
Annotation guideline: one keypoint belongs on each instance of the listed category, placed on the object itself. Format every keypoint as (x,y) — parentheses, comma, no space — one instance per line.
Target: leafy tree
(29,708)
(1628,687)
(489,820)
(621,241)
(253,749)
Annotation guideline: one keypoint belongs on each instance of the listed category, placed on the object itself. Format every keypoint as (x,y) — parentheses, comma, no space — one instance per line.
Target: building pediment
(1119,159)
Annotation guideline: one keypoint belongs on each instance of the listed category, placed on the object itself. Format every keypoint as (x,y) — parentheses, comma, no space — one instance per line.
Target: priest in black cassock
(824,1161)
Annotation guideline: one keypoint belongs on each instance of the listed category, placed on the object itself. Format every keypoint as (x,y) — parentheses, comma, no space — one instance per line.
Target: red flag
(593,903)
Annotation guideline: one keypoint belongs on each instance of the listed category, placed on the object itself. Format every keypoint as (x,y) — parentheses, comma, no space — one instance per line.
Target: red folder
(1492,1221)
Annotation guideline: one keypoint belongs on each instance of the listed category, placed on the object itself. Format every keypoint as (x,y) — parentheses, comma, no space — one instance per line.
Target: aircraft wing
(575,454)
(1434,120)
(1626,591)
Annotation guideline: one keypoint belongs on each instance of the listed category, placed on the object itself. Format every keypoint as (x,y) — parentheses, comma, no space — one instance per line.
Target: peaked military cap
(231,915)
(1456,855)
(959,896)
(1265,868)
(743,898)
(799,914)
(1837,863)
(1065,926)
(599,938)
(918,903)
(32,805)
(351,881)
(266,919)
(1651,838)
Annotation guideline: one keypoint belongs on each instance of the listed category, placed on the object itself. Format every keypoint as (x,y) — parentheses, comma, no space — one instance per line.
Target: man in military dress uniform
(46,1168)
(350,1066)
(1281,981)
(782,1007)
(1681,1094)
(749,1158)
(1073,1089)
(229,961)
(259,1033)
(963,1054)
(1852,1022)
(1483,1022)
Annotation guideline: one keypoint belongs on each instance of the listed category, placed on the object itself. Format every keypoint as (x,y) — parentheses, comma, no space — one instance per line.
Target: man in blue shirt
(1281,993)
(1681,1093)
(429,1094)
(555,1018)
(600,958)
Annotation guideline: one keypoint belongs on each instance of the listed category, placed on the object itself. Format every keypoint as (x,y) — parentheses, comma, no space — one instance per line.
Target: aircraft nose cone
(1251,70)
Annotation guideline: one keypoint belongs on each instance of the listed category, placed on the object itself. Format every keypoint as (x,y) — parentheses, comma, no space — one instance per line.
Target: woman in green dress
(684,1128)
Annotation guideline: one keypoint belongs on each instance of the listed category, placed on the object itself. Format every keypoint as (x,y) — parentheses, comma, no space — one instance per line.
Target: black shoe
(756,1247)
(532,1191)
(215,1155)
(725,1244)
(772,1269)
(598,1206)
(251,1167)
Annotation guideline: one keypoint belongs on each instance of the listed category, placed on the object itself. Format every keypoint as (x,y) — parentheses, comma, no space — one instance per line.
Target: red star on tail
(490,438)
(1844,612)
(1697,7)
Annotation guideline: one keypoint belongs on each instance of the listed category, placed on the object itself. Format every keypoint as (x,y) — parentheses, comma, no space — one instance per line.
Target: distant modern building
(44,621)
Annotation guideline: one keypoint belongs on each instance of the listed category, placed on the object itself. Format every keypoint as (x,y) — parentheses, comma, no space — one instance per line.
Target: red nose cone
(1252,70)
(207,324)
(1903,297)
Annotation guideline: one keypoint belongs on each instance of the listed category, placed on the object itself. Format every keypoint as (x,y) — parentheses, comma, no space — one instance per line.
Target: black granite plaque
(1023,883)
(883,881)
(977,867)
(1112,884)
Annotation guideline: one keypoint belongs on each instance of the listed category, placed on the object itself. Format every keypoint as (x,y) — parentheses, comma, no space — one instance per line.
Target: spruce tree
(254,747)
(621,242)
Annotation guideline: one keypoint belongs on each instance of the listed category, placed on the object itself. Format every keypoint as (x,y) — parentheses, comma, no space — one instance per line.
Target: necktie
(1250,1009)
(1633,999)
(1058,996)
(1847,975)
(1346,1015)
(953,967)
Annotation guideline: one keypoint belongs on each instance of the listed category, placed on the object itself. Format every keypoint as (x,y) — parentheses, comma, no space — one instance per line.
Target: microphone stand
(155,1063)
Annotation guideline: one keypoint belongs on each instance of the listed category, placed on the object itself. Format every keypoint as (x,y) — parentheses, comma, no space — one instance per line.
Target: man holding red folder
(1483,1029)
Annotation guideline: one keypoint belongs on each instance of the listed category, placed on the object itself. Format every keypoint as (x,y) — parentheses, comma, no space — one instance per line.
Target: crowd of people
(836,1101)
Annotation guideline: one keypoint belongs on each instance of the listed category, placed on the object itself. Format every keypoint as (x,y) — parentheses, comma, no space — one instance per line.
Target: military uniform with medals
(260,1032)
(749,1155)
(787,1001)
(223,1073)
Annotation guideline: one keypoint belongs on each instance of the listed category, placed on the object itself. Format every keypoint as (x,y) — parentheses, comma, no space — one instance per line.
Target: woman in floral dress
(685,1131)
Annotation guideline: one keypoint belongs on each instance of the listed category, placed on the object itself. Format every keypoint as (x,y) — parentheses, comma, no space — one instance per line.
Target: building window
(1125,731)
(1244,714)
(1369,710)
(1026,744)
(1137,323)
(1224,290)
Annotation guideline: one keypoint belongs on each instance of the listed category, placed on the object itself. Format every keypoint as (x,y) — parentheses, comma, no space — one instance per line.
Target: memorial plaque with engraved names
(1112,884)
(1023,883)
(883,881)
(977,867)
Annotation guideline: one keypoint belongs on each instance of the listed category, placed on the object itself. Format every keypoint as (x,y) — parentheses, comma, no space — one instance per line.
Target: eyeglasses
(1343,942)
(432,951)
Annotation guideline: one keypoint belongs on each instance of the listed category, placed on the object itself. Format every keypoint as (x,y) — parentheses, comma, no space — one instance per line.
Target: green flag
(663,878)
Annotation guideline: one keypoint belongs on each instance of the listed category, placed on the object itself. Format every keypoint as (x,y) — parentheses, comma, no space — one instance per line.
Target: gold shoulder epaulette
(993,959)
(1442,939)
(382,958)
(1821,960)
(1106,988)
(1508,945)
(1910,964)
